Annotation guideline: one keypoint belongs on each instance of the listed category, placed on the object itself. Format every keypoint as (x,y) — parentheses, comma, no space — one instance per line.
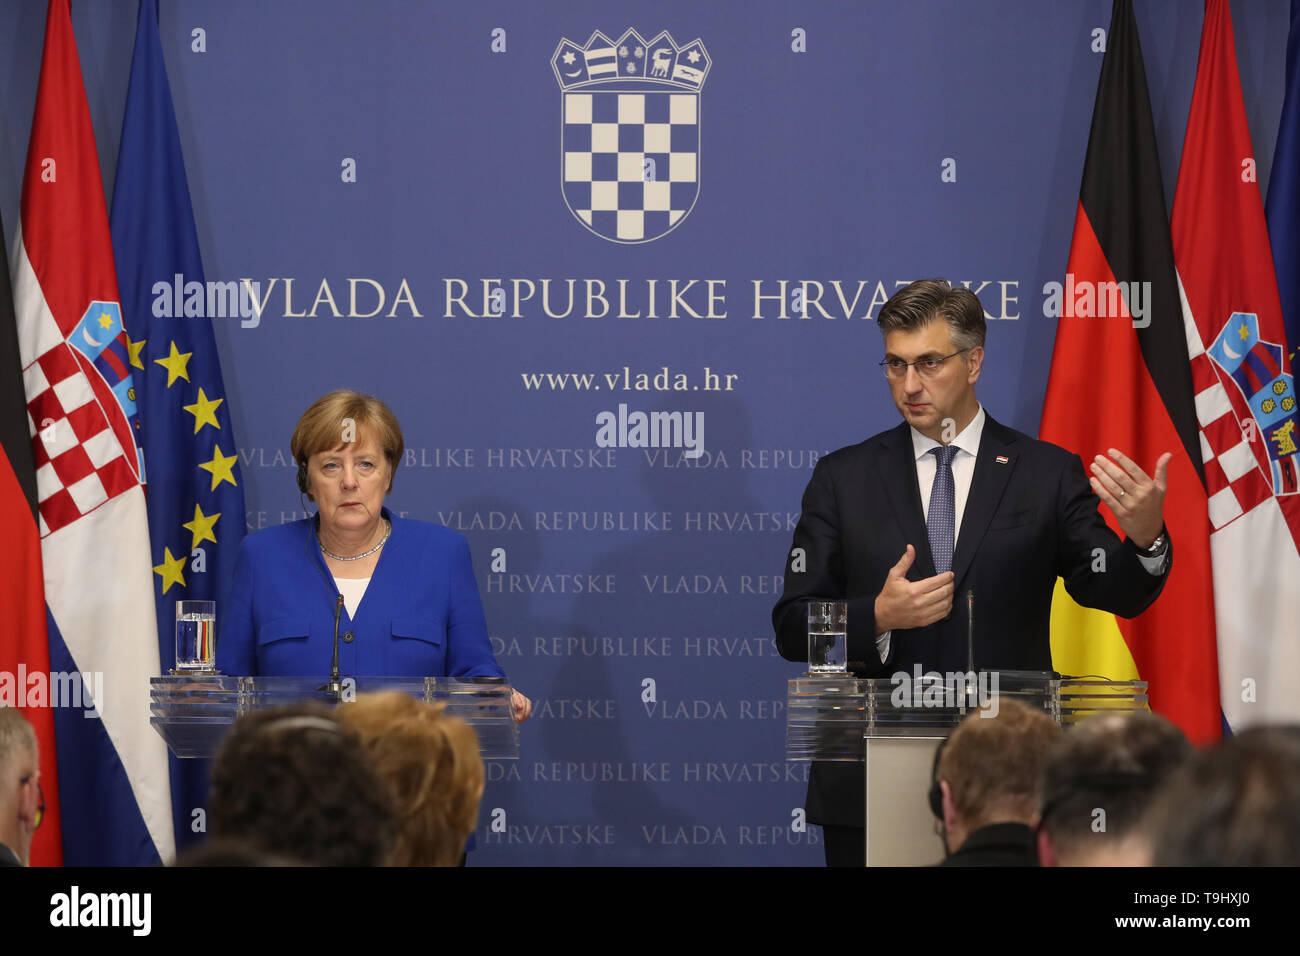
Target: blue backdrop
(414,150)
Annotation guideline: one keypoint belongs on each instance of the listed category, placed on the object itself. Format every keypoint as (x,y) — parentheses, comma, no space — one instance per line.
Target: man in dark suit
(951,503)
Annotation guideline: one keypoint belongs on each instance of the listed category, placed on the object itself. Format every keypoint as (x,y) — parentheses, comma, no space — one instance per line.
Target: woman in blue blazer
(410,602)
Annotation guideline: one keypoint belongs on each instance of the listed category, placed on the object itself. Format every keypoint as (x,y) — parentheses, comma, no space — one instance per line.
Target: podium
(192,712)
(893,727)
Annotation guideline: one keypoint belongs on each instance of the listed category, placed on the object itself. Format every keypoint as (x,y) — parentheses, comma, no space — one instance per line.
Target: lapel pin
(1001,459)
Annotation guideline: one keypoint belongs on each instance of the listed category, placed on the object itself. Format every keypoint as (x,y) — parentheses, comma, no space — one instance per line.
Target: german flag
(24,641)
(1120,379)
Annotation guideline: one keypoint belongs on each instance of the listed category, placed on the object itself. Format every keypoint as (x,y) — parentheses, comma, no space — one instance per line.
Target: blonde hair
(431,763)
(324,423)
(15,732)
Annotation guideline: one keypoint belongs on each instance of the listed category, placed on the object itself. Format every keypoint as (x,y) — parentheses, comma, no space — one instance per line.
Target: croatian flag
(1246,403)
(80,395)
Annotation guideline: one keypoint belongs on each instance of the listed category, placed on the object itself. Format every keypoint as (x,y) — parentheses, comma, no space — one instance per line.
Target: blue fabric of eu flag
(193,483)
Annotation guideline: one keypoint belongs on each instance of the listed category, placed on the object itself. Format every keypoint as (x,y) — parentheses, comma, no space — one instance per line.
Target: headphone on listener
(1112,781)
(936,792)
(303,485)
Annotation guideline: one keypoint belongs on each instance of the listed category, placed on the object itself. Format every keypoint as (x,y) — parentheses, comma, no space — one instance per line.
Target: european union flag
(196,513)
(1283,203)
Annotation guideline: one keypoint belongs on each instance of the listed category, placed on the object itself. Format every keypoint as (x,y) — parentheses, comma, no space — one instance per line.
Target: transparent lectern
(192,712)
(892,728)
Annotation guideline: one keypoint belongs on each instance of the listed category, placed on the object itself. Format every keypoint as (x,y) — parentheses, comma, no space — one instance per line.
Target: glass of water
(827,644)
(196,636)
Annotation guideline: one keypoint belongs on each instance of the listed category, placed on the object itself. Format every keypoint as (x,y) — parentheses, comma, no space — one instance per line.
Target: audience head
(990,769)
(294,782)
(20,800)
(1098,784)
(1234,804)
(227,852)
(432,765)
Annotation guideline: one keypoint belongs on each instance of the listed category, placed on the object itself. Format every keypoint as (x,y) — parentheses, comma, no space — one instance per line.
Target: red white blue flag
(1245,392)
(80,395)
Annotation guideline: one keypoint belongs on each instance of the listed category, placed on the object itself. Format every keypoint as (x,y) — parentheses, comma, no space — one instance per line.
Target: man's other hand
(903,603)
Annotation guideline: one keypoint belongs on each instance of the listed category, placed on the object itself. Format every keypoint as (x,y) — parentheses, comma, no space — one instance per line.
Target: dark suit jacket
(999,844)
(8,857)
(1028,520)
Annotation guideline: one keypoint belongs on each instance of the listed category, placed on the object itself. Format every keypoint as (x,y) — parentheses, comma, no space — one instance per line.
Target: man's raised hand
(1136,500)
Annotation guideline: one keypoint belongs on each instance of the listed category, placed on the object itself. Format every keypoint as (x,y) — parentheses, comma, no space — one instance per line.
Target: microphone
(335,686)
(970,639)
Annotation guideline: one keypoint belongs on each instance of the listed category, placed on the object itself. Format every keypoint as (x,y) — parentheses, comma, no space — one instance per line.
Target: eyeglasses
(40,799)
(925,367)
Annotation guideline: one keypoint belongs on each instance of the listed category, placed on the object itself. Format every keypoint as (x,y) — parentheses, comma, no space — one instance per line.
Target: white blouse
(352,589)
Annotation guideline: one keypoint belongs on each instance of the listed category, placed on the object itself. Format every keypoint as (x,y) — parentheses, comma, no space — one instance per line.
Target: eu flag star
(133,351)
(201,527)
(221,468)
(176,365)
(204,411)
(172,570)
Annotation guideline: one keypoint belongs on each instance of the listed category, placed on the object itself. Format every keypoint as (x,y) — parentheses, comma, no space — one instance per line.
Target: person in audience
(1098,784)
(295,782)
(1234,804)
(431,763)
(986,783)
(228,852)
(22,805)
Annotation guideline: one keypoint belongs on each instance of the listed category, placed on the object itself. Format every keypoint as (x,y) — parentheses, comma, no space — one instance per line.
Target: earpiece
(936,792)
(1107,780)
(302,477)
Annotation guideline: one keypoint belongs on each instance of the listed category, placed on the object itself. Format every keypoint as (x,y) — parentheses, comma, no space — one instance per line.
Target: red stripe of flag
(113,361)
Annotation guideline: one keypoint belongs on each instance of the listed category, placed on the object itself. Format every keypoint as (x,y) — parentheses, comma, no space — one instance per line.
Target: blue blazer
(420,616)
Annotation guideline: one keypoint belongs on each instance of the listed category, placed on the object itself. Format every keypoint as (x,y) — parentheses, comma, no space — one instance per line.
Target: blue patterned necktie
(941,519)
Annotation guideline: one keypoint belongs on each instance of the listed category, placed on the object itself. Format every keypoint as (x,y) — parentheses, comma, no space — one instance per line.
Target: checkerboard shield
(630,160)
